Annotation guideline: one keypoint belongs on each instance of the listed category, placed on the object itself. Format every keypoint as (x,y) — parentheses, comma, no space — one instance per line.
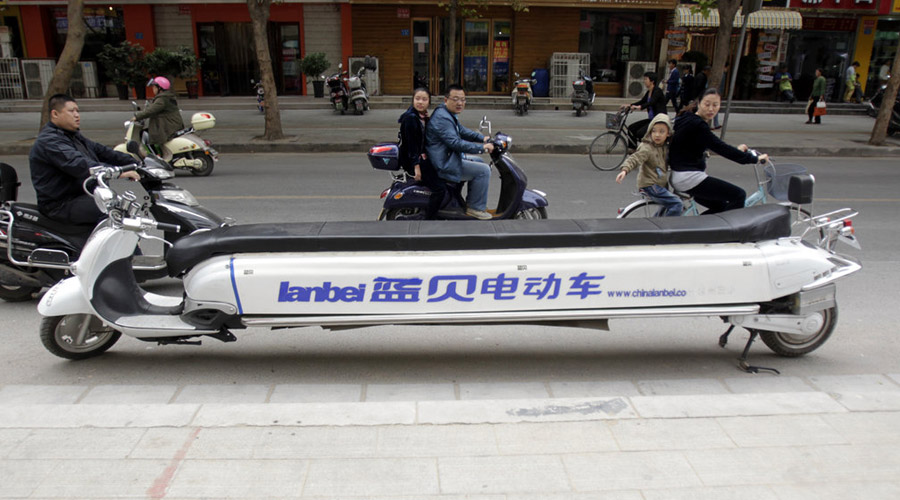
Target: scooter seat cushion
(744,225)
(30,213)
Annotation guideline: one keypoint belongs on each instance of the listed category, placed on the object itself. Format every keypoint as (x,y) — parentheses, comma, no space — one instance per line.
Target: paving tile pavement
(833,437)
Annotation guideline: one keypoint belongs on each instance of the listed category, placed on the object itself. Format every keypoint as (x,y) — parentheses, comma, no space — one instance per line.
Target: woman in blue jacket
(412,149)
(687,157)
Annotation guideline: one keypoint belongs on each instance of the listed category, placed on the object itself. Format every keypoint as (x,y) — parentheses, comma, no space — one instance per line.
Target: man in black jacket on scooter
(60,162)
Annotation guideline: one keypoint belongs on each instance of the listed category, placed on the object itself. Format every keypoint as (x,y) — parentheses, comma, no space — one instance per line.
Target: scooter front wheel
(608,151)
(77,336)
(533,213)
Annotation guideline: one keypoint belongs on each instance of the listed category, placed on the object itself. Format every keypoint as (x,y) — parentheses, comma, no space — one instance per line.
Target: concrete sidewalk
(760,437)
(311,126)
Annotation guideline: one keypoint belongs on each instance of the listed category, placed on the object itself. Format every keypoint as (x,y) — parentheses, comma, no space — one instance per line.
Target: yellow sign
(896,6)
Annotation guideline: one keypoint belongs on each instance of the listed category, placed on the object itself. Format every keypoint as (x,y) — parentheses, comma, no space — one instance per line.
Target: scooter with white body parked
(522,95)
(741,265)
(36,251)
(185,149)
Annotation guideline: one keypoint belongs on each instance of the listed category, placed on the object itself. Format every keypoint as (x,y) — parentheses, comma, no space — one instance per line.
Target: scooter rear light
(374,150)
(848,227)
(385,193)
(208,143)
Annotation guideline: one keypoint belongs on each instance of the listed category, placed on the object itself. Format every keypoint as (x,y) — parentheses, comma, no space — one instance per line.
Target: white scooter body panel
(521,280)
(64,298)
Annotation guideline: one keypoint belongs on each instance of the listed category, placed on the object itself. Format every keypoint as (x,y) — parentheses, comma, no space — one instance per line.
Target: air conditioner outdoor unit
(38,73)
(372,77)
(634,78)
(83,82)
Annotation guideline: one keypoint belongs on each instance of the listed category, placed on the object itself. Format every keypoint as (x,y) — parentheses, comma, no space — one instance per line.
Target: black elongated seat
(744,225)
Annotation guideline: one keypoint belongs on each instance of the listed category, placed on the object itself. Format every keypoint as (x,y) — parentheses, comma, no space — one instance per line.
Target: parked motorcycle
(185,149)
(260,95)
(583,93)
(340,94)
(571,273)
(37,251)
(522,96)
(406,199)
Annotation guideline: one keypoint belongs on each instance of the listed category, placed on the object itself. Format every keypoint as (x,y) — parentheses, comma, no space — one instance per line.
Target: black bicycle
(609,149)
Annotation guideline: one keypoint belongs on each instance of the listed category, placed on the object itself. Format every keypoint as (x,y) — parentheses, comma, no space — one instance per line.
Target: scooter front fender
(64,298)
(532,199)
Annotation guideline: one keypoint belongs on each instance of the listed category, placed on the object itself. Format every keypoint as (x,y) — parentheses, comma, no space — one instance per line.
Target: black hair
(453,87)
(652,76)
(421,89)
(673,61)
(691,107)
(58,101)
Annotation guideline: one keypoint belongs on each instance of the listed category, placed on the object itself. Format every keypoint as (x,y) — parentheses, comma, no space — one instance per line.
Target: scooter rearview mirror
(134,148)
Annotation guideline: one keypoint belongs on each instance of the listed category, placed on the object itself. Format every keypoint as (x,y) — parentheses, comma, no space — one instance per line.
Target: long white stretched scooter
(741,265)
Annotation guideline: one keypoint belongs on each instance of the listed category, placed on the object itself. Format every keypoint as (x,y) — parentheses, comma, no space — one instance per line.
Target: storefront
(769,29)
(879,35)
(828,41)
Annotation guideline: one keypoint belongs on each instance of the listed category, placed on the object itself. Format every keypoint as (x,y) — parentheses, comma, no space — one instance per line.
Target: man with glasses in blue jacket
(446,141)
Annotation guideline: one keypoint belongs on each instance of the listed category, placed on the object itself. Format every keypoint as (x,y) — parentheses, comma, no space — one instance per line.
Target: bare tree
(62,74)
(259,15)
(879,131)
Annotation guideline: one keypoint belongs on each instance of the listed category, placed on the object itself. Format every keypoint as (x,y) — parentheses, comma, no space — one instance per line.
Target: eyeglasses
(457,99)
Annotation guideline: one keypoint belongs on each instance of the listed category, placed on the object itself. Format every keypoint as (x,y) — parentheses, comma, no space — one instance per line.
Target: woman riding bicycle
(687,157)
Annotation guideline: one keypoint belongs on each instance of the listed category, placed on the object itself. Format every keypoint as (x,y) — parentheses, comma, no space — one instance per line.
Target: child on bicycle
(653,176)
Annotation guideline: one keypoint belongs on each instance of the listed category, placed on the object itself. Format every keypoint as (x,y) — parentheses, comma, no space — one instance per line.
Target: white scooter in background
(522,95)
(185,150)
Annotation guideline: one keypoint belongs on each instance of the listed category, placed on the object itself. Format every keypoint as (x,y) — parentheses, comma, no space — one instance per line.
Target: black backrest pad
(737,226)
(9,183)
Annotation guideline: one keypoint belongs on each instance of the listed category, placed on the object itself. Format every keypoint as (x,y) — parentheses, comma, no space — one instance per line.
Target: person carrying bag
(816,99)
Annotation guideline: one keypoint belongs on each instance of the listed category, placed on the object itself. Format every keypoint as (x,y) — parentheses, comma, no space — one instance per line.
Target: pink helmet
(161,81)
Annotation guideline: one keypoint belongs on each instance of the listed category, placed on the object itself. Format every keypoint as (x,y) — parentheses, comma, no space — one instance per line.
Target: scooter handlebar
(169,228)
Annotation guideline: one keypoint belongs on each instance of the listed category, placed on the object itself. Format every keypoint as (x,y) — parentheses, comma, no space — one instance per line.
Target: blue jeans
(478,175)
(671,204)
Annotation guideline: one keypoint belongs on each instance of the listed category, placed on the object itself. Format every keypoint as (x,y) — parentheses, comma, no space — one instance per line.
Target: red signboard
(870,5)
(829,24)
(403,12)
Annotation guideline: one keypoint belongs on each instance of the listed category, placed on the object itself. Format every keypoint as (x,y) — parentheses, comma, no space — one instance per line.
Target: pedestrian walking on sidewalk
(818,94)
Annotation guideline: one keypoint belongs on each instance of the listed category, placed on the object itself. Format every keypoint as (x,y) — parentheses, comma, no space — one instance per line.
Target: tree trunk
(59,83)
(727,10)
(259,15)
(879,131)
(452,56)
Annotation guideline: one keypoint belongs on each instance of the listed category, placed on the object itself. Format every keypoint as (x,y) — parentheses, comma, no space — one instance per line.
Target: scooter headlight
(179,196)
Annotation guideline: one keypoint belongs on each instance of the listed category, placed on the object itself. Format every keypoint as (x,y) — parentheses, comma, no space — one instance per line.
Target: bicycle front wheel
(608,151)
(640,208)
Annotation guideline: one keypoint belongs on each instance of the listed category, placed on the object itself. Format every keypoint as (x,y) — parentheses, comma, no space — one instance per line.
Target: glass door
(486,56)
(421,54)
(500,57)
(476,41)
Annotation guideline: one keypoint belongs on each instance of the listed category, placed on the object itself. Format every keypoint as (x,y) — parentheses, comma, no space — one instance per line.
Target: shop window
(884,50)
(105,26)
(613,39)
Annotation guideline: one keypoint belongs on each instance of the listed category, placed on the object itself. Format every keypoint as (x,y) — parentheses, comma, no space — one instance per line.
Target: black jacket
(60,162)
(690,141)
(700,82)
(657,102)
(412,140)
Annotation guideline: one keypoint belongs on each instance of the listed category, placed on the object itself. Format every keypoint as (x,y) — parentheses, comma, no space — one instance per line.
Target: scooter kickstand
(723,339)
(742,361)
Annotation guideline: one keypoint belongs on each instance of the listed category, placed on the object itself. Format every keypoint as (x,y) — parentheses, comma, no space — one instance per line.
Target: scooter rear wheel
(402,214)
(358,108)
(77,336)
(207,167)
(17,293)
(792,345)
